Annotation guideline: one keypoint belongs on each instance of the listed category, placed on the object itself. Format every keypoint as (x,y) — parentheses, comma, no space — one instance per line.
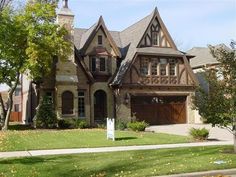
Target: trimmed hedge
(137,125)
(199,133)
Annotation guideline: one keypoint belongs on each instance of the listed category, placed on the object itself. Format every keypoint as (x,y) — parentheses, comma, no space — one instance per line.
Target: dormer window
(98,64)
(100,40)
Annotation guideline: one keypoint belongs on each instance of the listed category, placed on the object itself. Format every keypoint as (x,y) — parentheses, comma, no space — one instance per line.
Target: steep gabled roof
(130,38)
(126,43)
(87,37)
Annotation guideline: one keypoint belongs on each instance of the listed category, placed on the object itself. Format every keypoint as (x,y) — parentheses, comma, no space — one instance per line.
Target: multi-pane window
(172,67)
(67,102)
(102,64)
(155,38)
(158,66)
(154,68)
(144,66)
(98,64)
(99,39)
(81,100)
(163,65)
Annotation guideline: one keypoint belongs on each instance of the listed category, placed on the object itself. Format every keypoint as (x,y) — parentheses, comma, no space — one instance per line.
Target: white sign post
(111,129)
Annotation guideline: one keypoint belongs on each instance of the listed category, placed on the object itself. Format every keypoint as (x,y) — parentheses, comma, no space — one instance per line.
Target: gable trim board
(101,25)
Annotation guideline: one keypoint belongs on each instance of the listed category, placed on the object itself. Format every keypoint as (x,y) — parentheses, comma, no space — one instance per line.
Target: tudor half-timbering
(135,73)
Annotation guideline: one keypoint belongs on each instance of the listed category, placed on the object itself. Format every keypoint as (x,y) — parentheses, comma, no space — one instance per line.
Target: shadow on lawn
(125,138)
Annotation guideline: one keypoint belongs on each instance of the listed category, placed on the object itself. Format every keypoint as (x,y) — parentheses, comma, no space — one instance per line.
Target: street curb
(204,173)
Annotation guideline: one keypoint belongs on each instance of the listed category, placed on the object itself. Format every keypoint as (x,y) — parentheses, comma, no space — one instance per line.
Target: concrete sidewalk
(107,149)
(228,172)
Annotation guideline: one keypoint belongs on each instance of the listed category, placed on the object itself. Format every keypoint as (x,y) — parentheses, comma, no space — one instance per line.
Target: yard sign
(111,129)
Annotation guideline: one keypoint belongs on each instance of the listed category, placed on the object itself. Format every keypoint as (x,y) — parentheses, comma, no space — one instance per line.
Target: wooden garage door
(159,110)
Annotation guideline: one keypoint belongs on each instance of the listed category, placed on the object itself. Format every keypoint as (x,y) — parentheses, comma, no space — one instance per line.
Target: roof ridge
(136,23)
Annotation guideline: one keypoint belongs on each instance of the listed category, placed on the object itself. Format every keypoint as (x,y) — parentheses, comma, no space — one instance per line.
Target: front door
(100,106)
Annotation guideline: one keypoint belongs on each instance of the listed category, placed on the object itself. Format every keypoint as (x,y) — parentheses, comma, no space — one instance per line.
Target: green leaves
(218,106)
(45,38)
(29,41)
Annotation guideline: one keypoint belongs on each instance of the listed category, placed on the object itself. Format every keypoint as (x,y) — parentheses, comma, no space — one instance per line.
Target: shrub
(66,123)
(199,133)
(45,115)
(120,125)
(102,125)
(137,125)
(81,124)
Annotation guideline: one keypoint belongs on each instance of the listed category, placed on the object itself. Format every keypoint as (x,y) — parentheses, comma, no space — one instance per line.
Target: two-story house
(135,73)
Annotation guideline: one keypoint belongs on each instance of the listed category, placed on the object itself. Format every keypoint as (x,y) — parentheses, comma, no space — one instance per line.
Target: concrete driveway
(183,129)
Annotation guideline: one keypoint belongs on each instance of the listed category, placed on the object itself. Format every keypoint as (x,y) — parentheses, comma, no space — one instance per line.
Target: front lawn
(128,163)
(58,139)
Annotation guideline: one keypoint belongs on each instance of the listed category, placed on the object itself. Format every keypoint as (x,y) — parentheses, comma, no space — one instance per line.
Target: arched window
(67,102)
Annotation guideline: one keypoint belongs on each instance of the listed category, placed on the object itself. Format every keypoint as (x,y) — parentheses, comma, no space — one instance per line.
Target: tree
(218,106)
(45,116)
(4,3)
(29,41)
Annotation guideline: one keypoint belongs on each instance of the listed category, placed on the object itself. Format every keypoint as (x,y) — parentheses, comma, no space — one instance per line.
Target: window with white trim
(163,66)
(172,67)
(81,99)
(154,68)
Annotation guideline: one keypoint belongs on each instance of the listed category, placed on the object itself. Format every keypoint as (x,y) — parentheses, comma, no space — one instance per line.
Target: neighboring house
(135,73)
(203,60)
(17,104)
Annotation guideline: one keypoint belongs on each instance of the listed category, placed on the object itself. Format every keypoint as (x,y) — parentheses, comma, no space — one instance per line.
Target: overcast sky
(191,23)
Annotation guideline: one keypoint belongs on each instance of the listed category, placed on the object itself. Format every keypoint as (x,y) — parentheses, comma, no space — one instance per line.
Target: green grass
(58,139)
(128,163)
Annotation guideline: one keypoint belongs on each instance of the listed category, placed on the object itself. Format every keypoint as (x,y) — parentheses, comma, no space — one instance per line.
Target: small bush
(81,124)
(120,125)
(45,116)
(137,126)
(102,126)
(199,133)
(66,123)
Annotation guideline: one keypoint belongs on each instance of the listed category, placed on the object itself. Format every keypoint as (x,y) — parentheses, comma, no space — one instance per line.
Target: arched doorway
(100,106)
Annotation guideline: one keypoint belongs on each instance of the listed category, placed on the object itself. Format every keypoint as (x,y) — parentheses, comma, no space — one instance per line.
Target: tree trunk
(10,98)
(3,107)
